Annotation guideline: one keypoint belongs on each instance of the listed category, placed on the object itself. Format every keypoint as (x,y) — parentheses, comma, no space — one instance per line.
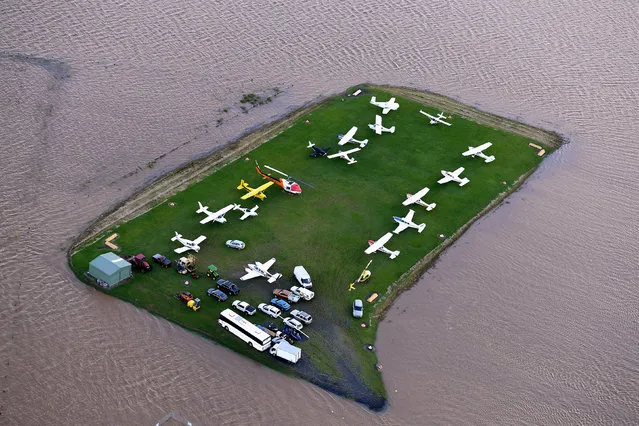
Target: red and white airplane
(454,176)
(387,106)
(378,126)
(217,216)
(435,120)
(379,246)
(348,137)
(417,199)
(287,185)
(477,152)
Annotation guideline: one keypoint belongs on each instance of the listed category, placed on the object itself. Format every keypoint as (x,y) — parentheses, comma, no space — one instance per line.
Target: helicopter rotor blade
(275,170)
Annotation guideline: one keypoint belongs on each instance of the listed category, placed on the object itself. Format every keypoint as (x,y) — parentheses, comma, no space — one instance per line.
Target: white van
(302,277)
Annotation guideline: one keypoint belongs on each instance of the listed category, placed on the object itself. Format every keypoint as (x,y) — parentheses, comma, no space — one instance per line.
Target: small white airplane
(188,244)
(407,222)
(344,155)
(348,137)
(247,212)
(417,199)
(217,216)
(477,152)
(378,245)
(448,176)
(378,126)
(388,106)
(260,270)
(435,120)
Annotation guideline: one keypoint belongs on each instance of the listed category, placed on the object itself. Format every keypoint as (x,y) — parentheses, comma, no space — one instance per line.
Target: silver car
(302,316)
(358,308)
(293,323)
(236,244)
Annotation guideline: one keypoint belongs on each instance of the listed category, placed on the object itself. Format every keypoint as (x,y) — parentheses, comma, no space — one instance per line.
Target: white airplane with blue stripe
(407,222)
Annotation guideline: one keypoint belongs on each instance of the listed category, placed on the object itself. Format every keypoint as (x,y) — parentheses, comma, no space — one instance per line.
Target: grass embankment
(326,228)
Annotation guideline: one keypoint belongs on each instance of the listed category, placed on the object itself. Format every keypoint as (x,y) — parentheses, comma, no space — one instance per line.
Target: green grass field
(326,228)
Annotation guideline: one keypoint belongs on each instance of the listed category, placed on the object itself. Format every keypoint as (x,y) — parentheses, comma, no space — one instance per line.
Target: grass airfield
(326,228)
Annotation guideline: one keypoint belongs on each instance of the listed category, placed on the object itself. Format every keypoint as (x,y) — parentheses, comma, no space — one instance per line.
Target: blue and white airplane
(407,222)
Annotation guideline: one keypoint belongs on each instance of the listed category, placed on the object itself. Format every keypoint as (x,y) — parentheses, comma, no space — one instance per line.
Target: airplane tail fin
(274,278)
(352,161)
(421,227)
(431,206)
(392,129)
(489,159)
(363,143)
(373,100)
(202,208)
(242,184)
(236,207)
(310,144)
(176,236)
(394,254)
(464,181)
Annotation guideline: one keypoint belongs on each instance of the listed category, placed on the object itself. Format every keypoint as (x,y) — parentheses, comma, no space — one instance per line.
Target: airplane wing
(379,243)
(385,110)
(268,264)
(256,190)
(181,249)
(409,216)
(400,227)
(249,275)
(199,239)
(427,115)
(348,136)
(416,197)
(217,214)
(458,172)
(378,121)
(477,149)
(445,179)
(343,154)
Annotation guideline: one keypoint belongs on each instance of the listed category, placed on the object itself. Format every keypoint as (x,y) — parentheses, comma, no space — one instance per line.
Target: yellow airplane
(254,192)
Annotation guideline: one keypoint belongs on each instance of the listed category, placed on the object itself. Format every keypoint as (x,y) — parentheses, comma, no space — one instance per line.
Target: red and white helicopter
(217,216)
(417,199)
(379,246)
(287,185)
(435,120)
(344,155)
(477,152)
(378,128)
(348,137)
(454,176)
(387,106)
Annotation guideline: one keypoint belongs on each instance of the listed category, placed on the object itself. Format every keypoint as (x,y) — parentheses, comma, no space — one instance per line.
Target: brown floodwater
(532,317)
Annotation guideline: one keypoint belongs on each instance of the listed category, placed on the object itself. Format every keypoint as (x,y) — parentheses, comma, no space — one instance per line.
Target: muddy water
(531,317)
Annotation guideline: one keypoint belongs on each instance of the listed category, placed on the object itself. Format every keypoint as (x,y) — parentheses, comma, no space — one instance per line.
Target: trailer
(281,348)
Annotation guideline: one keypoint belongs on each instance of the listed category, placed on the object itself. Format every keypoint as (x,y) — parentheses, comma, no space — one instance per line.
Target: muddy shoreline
(166,185)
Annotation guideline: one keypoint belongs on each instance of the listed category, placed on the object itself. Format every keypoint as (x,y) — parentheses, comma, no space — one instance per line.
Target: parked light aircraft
(448,176)
(435,120)
(254,192)
(348,137)
(247,212)
(260,270)
(379,246)
(286,184)
(188,244)
(417,199)
(317,151)
(217,216)
(378,126)
(477,152)
(344,155)
(407,222)
(390,105)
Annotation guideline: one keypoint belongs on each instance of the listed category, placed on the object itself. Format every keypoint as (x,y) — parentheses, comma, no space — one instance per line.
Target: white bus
(245,330)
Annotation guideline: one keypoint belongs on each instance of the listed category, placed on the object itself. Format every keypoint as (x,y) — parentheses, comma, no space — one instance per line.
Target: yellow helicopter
(364,276)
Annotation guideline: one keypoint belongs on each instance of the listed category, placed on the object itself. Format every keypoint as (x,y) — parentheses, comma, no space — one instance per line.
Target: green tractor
(212,272)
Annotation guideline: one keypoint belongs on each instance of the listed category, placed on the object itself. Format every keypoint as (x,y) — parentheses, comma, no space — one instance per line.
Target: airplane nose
(296,188)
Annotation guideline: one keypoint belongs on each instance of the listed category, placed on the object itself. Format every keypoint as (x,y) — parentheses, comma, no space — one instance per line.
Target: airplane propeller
(288,176)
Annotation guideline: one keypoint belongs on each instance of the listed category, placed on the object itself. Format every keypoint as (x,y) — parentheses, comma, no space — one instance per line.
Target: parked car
(302,277)
(302,292)
(228,287)
(286,295)
(218,294)
(269,310)
(280,304)
(358,308)
(162,260)
(293,323)
(236,244)
(243,307)
(305,317)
